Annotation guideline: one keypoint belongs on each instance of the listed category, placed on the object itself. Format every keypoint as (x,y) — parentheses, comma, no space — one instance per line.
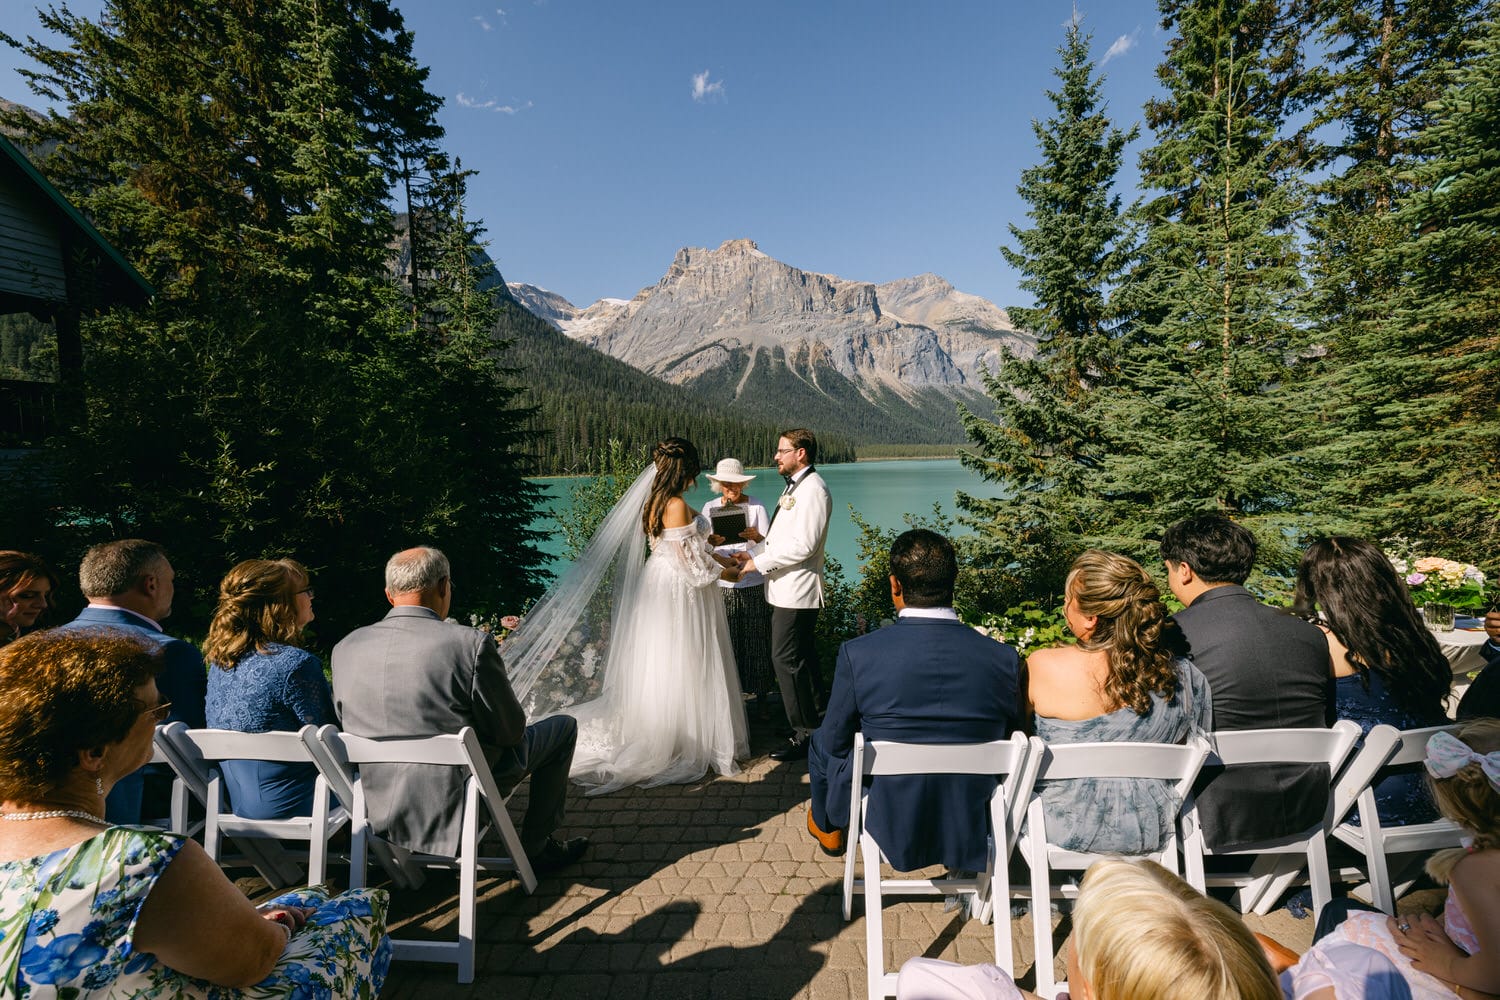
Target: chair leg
(1287,869)
(850,850)
(874,925)
(317,840)
(1317,872)
(468,883)
(1380,877)
(1041,912)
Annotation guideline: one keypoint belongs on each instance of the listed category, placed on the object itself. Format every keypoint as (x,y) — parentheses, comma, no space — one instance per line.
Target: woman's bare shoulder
(676,513)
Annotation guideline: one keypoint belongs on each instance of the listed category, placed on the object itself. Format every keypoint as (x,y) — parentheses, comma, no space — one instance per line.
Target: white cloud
(487,26)
(465,101)
(1121,45)
(705,89)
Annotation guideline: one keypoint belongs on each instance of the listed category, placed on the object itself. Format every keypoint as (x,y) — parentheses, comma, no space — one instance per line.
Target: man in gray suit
(1266,670)
(414,674)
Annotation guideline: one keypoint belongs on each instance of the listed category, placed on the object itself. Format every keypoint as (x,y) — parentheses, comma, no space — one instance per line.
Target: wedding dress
(636,648)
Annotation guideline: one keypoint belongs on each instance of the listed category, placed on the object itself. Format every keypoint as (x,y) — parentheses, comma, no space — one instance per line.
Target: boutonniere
(786,501)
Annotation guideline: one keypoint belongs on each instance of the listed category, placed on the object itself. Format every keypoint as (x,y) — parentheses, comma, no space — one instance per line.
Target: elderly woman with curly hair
(1119,683)
(92,910)
(260,680)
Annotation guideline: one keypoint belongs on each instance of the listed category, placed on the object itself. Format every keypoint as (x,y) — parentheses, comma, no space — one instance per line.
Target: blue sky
(873,140)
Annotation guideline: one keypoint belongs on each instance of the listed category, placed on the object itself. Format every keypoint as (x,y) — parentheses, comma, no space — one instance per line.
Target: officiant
(738,521)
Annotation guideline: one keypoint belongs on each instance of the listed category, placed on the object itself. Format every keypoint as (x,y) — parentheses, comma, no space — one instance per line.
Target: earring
(99,786)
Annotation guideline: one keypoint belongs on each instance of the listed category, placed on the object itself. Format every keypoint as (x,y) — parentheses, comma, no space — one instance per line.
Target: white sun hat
(729,470)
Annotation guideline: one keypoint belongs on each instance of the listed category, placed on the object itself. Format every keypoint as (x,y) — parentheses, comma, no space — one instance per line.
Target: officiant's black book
(728,522)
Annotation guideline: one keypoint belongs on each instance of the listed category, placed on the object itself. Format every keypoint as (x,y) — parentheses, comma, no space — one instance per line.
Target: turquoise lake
(882,493)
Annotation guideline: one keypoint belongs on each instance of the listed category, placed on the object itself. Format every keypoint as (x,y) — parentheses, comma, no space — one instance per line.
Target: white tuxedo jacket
(791,557)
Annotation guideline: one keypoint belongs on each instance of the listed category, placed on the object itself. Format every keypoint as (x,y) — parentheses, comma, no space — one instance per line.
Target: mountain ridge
(745,328)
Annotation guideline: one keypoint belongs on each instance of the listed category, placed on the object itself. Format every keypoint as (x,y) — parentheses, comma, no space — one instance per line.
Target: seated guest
(129,584)
(92,910)
(260,680)
(1138,932)
(928,678)
(413,674)
(26,585)
(1482,700)
(1120,682)
(1267,669)
(1387,667)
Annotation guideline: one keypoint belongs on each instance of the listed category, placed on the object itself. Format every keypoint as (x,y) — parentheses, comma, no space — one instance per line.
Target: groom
(791,557)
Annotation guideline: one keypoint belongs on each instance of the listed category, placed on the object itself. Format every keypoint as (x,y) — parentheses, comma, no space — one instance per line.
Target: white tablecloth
(1461,647)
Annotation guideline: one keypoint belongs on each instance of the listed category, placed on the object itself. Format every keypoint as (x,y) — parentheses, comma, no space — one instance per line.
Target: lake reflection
(882,493)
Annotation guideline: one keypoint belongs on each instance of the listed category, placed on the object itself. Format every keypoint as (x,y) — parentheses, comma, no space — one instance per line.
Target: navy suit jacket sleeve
(184,682)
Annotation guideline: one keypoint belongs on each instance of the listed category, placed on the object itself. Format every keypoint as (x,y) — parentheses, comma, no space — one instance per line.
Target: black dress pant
(794,657)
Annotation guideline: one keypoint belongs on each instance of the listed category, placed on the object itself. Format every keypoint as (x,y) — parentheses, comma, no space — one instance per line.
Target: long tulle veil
(560,654)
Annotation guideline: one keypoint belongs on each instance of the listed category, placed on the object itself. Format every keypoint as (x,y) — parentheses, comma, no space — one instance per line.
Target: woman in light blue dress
(89,910)
(1119,683)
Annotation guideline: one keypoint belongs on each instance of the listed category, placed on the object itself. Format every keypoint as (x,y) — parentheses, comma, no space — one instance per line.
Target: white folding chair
(205,750)
(1006,760)
(339,773)
(480,794)
(1280,858)
(1387,748)
(267,857)
(1174,763)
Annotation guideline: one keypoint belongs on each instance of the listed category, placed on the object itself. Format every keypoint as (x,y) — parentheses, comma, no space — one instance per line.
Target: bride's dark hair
(677,465)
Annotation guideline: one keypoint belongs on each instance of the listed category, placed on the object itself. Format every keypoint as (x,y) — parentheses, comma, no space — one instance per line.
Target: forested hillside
(583,399)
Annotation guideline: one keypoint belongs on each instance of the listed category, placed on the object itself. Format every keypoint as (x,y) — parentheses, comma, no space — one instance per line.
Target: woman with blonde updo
(260,680)
(1118,683)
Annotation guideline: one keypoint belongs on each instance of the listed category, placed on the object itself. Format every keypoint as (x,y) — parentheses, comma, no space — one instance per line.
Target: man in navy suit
(928,678)
(129,584)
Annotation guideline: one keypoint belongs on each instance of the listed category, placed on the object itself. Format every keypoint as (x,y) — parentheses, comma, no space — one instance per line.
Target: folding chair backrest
(459,750)
(345,753)
(1363,769)
(1007,760)
(1278,746)
(215,745)
(1178,763)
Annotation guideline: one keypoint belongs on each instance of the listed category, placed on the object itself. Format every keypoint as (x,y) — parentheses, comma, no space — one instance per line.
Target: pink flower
(510,622)
(1416,579)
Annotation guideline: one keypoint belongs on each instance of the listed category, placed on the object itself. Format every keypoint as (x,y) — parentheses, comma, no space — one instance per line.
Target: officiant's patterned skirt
(750,634)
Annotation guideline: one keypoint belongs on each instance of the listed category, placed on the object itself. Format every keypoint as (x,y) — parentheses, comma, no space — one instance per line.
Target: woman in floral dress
(90,910)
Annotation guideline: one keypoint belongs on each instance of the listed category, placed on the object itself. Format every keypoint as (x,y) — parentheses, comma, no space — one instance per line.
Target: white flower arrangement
(786,501)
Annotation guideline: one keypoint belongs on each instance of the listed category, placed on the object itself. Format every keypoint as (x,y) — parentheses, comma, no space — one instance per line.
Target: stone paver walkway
(712,890)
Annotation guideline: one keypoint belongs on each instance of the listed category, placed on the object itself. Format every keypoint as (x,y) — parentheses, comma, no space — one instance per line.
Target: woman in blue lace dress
(88,910)
(260,680)
(1387,667)
(1118,683)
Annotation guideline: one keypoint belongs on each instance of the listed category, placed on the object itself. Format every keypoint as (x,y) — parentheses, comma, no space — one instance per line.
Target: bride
(636,647)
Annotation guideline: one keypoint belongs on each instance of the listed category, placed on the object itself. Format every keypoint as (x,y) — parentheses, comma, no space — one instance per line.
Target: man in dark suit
(1266,670)
(130,585)
(414,674)
(928,678)
(1482,700)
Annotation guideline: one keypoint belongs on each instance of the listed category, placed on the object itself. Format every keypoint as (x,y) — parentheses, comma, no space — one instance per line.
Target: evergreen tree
(1422,373)
(1044,443)
(277,396)
(1377,90)
(1195,417)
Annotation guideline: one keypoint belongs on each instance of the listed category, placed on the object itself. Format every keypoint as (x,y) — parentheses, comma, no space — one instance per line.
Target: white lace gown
(670,710)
